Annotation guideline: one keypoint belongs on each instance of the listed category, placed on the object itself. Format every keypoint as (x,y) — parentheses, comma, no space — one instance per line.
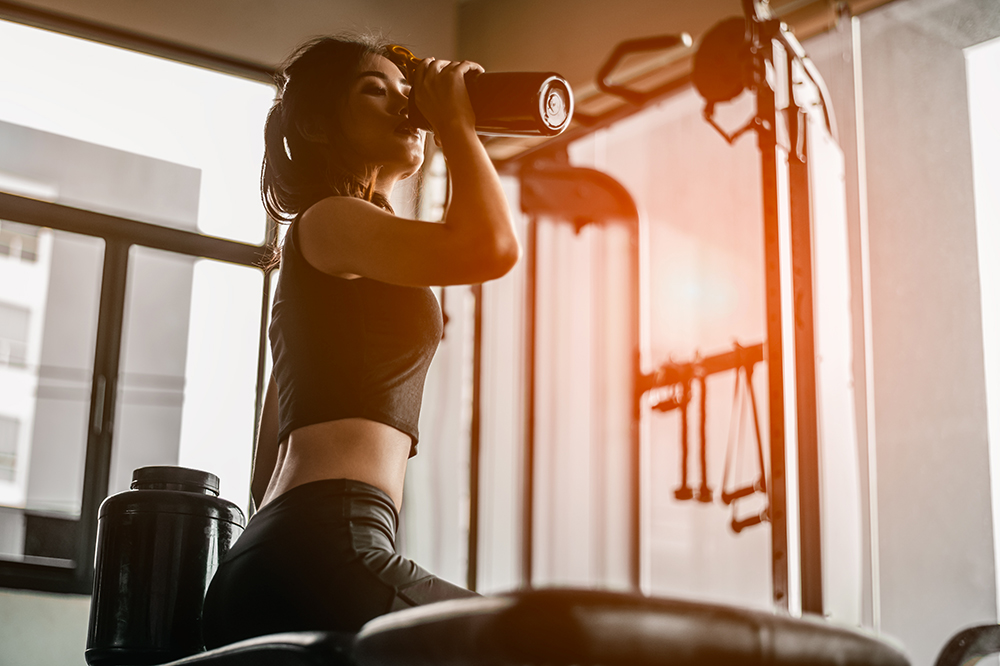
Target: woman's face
(374,120)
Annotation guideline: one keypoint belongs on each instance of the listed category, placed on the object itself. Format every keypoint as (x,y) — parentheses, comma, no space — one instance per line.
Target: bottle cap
(164,477)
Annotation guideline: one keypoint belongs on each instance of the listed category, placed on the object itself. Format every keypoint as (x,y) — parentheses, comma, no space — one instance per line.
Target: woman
(354,327)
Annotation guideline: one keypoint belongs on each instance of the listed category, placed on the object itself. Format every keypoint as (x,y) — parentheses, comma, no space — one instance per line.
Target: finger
(429,63)
(437,66)
(420,70)
(467,66)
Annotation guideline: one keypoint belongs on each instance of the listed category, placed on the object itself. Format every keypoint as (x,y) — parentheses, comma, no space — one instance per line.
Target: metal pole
(472,574)
(770,163)
(805,354)
(637,241)
(528,498)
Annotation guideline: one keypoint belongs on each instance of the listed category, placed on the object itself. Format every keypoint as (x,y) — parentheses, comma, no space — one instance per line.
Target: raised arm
(476,240)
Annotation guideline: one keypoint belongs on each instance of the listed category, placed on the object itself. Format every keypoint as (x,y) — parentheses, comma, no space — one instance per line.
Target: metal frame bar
(761,37)
(528,461)
(475,440)
(781,140)
(671,373)
(810,533)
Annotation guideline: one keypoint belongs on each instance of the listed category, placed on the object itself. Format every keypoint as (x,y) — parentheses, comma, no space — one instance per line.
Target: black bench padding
(558,627)
(306,648)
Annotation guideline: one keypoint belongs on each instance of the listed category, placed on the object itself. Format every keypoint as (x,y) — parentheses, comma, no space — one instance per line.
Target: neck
(384,183)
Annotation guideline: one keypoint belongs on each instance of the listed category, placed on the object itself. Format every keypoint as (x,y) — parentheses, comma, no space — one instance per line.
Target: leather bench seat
(563,627)
(302,648)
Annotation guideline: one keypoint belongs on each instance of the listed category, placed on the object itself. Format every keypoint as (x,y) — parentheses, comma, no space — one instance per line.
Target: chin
(409,172)
(412,166)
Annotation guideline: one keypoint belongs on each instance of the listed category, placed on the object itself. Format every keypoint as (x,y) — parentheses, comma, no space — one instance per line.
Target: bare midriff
(354,448)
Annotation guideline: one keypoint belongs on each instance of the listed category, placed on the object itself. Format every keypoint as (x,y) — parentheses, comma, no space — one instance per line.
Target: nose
(404,105)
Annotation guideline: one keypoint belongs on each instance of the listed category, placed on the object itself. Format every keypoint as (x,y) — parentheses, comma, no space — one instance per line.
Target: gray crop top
(349,348)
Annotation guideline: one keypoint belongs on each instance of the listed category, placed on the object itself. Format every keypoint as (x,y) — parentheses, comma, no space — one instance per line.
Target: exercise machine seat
(565,626)
(304,648)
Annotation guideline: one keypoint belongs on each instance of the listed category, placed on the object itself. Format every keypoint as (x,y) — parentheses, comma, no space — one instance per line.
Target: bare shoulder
(328,231)
(346,236)
(334,216)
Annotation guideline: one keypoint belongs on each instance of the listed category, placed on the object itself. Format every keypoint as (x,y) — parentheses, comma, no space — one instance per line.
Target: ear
(312,132)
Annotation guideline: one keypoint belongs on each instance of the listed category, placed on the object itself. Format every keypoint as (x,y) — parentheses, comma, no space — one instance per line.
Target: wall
(43,629)
(934,517)
(265,31)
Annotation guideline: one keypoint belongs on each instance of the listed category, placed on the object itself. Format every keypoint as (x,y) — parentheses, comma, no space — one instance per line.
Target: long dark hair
(305,156)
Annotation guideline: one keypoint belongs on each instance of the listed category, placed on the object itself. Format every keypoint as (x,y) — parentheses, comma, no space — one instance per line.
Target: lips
(407,129)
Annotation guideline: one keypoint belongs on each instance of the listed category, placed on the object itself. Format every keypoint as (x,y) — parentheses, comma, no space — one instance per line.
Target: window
(13,334)
(130,290)
(186,383)
(8,447)
(18,241)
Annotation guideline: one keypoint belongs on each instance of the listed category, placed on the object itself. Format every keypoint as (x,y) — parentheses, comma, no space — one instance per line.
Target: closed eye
(378,84)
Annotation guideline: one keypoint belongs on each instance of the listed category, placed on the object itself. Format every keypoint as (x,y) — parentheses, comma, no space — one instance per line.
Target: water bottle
(158,546)
(508,103)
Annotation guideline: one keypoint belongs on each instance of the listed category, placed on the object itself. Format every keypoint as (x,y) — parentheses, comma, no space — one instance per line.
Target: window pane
(13,334)
(48,322)
(171,144)
(188,368)
(18,241)
(9,430)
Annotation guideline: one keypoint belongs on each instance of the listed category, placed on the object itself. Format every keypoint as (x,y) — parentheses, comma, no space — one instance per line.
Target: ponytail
(298,170)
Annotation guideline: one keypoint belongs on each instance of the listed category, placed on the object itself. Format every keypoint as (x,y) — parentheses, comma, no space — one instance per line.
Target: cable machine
(759,54)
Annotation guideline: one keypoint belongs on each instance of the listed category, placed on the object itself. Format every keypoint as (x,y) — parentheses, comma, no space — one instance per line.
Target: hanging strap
(704,492)
(735,439)
(684,492)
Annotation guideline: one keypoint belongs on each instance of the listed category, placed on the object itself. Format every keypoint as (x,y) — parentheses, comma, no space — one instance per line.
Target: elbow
(507,256)
(502,257)
(482,258)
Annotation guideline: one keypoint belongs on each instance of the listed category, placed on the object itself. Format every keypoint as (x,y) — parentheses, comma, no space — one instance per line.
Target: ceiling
(571,37)
(263,31)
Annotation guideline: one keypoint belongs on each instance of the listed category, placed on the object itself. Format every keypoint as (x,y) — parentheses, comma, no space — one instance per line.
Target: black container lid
(163,477)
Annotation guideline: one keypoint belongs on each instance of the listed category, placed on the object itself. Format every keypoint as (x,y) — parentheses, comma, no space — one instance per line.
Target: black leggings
(319,557)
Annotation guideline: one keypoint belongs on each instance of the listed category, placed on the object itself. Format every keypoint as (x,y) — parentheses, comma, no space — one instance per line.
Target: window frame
(119,235)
